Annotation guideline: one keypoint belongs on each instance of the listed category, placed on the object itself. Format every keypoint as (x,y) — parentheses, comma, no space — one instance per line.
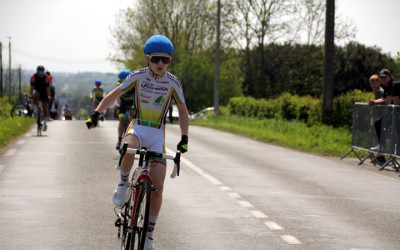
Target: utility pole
(329,70)
(9,69)
(216,79)
(19,83)
(1,69)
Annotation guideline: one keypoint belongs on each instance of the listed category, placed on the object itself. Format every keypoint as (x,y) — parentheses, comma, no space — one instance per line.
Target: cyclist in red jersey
(40,90)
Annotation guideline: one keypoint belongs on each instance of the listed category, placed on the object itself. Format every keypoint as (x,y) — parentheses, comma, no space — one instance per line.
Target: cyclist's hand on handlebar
(183,144)
(92,121)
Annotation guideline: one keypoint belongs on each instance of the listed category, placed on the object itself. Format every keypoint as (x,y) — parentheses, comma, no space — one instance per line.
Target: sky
(74,35)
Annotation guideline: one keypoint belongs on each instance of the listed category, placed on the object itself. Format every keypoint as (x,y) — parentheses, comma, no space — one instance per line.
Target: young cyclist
(97,94)
(125,103)
(40,90)
(154,89)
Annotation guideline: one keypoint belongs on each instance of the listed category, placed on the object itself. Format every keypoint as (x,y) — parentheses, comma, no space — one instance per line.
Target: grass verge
(11,128)
(318,139)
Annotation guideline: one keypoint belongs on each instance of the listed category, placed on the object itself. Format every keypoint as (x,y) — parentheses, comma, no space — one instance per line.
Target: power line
(59,60)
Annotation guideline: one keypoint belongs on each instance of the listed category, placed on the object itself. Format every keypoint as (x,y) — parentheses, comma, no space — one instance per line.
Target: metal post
(329,70)
(19,83)
(9,69)
(216,80)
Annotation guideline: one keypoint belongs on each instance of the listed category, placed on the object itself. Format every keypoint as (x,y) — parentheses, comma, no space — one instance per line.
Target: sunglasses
(157,59)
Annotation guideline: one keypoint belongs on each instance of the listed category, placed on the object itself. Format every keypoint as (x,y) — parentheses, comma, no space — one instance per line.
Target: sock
(124,177)
(152,224)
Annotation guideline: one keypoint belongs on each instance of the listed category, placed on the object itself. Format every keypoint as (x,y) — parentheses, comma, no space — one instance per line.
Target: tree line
(269,47)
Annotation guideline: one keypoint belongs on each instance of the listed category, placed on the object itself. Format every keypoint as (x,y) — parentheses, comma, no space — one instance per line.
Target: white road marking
(225,188)
(258,214)
(234,195)
(290,239)
(245,204)
(272,225)
(10,152)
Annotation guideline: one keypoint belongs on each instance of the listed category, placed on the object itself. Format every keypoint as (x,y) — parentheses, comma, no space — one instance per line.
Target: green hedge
(301,108)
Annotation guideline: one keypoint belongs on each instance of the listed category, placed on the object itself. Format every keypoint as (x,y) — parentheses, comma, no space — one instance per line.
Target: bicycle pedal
(118,222)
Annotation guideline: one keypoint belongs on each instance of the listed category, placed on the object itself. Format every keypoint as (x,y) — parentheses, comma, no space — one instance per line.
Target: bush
(293,107)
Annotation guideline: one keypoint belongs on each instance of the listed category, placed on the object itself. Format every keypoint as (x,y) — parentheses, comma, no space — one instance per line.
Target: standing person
(126,101)
(376,120)
(154,90)
(67,113)
(40,90)
(391,94)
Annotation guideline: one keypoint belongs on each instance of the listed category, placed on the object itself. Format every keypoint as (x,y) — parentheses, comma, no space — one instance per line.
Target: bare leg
(157,173)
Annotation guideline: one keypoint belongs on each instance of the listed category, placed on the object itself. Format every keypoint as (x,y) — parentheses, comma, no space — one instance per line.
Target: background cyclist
(126,101)
(97,94)
(154,90)
(40,90)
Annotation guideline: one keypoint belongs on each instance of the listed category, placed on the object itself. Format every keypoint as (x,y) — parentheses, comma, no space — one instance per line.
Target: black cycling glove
(92,121)
(183,144)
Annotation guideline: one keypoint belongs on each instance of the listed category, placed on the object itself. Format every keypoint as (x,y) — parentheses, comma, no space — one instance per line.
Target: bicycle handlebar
(149,153)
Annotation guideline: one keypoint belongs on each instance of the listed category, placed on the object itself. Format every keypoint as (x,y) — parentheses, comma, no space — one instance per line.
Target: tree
(189,24)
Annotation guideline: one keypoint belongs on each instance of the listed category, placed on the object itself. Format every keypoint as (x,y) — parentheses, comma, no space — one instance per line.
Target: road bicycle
(133,218)
(23,107)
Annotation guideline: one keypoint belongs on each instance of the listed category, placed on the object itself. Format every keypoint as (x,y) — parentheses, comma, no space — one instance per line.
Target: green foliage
(282,69)
(10,128)
(5,108)
(298,69)
(343,106)
(197,78)
(355,63)
(305,109)
(318,139)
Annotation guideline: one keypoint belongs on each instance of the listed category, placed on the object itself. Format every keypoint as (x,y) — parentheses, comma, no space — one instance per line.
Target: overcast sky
(74,35)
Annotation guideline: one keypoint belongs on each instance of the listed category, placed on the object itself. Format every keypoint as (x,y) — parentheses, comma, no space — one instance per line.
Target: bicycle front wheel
(39,123)
(126,230)
(141,216)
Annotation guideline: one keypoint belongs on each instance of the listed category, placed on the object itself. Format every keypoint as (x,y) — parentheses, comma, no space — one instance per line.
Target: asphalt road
(233,193)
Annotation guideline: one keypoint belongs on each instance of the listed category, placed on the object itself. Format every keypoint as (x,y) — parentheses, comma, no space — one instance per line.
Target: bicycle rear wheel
(19,110)
(39,122)
(141,216)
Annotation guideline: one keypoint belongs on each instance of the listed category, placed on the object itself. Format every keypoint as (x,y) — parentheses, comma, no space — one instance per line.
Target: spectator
(391,94)
(377,114)
(67,113)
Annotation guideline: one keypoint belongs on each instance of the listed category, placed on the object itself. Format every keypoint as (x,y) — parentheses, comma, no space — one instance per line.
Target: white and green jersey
(153,96)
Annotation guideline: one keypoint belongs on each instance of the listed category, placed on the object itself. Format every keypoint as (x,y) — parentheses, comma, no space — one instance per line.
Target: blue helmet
(97,82)
(124,74)
(158,43)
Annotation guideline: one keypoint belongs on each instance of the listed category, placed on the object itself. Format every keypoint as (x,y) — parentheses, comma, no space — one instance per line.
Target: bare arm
(183,118)
(377,101)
